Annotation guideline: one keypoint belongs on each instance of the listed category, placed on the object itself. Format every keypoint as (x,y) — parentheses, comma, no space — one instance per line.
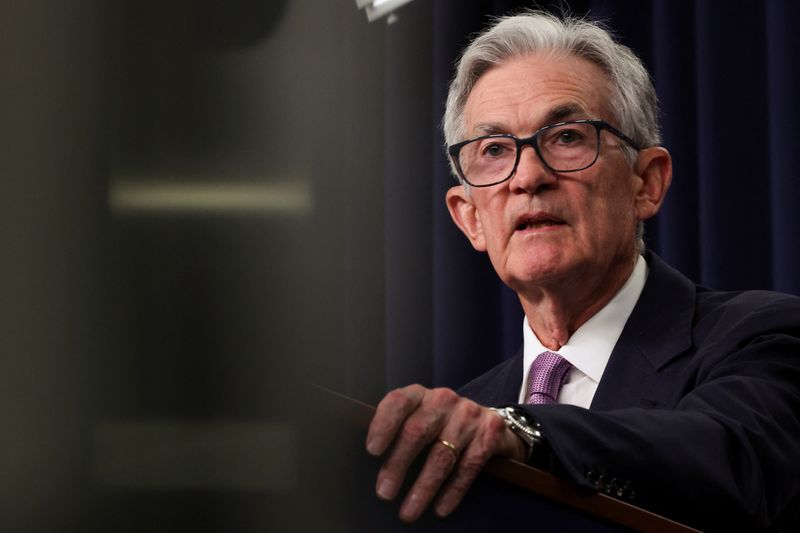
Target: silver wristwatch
(518,422)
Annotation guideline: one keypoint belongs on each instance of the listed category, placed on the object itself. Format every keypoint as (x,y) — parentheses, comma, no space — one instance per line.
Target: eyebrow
(563,112)
(491,128)
(557,114)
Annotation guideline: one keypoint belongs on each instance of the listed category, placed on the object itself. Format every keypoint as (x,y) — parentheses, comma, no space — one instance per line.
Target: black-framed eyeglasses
(563,147)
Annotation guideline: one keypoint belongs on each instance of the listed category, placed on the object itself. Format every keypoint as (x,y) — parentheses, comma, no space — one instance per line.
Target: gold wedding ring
(450,446)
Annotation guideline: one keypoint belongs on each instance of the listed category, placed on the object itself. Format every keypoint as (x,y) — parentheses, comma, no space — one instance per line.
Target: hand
(409,419)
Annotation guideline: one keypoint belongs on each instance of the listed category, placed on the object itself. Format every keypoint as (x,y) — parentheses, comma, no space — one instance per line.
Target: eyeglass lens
(563,148)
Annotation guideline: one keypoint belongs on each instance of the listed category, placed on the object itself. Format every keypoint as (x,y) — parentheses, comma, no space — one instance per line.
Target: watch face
(518,414)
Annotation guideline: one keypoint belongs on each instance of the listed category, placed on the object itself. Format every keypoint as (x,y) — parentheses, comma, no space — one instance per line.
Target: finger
(415,434)
(440,463)
(493,438)
(465,420)
(459,483)
(390,414)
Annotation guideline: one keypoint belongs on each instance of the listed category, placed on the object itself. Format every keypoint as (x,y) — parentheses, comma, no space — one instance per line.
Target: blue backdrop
(728,80)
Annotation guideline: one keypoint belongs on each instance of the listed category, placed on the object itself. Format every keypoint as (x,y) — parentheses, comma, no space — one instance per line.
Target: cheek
(608,212)
(615,218)
(494,240)
(492,223)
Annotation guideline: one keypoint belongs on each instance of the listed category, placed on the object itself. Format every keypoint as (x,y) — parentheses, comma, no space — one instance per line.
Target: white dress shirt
(589,348)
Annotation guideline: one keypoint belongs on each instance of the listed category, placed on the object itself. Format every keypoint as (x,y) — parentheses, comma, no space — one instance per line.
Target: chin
(534,265)
(535,275)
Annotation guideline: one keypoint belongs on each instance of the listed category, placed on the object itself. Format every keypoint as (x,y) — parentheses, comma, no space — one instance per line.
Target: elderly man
(632,380)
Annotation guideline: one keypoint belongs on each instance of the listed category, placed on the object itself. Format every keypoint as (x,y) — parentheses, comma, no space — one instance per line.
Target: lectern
(507,496)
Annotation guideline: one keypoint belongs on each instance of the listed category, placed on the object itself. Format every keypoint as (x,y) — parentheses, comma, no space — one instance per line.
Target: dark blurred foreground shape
(192,228)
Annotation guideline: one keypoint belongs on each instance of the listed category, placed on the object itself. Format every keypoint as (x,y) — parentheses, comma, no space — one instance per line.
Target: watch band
(529,430)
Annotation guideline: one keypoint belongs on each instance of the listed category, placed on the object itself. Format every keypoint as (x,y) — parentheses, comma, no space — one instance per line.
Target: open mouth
(538,221)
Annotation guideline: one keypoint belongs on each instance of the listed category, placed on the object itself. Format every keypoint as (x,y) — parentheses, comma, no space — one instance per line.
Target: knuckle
(443,396)
(467,412)
(486,445)
(411,391)
(495,424)
(472,410)
(416,430)
(402,400)
(396,397)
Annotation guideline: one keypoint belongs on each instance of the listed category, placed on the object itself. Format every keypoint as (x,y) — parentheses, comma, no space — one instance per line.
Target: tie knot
(547,374)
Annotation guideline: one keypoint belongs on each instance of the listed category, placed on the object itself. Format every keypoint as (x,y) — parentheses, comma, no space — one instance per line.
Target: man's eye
(494,150)
(568,136)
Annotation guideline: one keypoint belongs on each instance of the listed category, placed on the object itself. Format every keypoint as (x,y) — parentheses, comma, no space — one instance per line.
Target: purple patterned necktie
(547,374)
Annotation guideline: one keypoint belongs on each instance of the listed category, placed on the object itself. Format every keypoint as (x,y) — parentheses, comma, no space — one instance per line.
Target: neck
(556,312)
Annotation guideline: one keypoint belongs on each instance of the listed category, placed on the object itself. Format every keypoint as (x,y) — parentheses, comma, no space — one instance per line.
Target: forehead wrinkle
(525,94)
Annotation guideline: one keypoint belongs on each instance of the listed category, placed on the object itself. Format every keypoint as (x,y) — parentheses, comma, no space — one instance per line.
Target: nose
(531,174)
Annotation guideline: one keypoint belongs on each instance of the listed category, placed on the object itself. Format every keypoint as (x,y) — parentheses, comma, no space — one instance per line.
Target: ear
(465,215)
(654,169)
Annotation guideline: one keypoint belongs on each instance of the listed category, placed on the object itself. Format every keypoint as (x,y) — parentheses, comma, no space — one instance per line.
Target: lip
(538,221)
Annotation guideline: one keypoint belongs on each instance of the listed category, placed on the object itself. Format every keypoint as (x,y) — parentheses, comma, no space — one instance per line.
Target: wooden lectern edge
(539,482)
(567,493)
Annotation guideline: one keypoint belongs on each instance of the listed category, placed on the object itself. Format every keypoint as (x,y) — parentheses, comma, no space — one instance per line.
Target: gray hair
(633,97)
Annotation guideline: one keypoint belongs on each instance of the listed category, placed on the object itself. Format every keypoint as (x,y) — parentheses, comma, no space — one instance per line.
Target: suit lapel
(658,330)
(511,382)
(500,386)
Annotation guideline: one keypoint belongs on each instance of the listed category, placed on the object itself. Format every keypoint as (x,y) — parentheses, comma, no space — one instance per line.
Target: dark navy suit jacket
(697,415)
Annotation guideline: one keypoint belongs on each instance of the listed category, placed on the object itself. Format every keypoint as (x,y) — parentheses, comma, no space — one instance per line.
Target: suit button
(620,489)
(628,491)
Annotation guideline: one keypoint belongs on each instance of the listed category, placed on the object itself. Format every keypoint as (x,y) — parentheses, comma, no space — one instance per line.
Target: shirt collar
(590,347)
